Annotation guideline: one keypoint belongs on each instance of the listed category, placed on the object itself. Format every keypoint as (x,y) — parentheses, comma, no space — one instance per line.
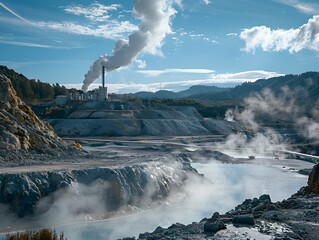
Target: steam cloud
(155,24)
(281,107)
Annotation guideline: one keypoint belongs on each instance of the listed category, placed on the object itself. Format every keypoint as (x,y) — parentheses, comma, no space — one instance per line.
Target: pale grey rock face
(135,186)
(100,119)
(20,128)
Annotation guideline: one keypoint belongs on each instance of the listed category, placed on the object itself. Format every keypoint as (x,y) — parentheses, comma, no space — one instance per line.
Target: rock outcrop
(313,180)
(294,218)
(20,128)
(135,186)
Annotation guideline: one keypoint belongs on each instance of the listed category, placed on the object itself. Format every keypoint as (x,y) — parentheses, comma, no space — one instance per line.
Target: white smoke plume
(155,24)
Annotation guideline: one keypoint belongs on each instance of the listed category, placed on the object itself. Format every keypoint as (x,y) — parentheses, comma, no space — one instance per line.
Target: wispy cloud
(102,26)
(192,35)
(240,77)
(309,8)
(23,64)
(28,44)
(206,2)
(96,12)
(108,29)
(34,43)
(292,40)
(155,73)
(15,14)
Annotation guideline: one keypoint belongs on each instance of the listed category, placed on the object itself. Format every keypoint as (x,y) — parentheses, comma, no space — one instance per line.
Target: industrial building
(97,95)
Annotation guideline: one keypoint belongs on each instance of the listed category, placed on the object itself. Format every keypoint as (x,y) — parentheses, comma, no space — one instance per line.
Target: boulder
(246,219)
(214,224)
(313,180)
(213,227)
(265,198)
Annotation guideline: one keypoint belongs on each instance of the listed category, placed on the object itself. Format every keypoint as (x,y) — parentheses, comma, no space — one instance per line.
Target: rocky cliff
(135,186)
(20,128)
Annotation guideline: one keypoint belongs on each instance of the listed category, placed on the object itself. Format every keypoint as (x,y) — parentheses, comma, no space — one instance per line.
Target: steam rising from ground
(267,113)
(266,144)
(155,24)
(227,186)
(148,187)
(231,183)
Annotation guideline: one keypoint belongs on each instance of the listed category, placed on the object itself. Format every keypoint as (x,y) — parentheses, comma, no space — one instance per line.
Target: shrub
(43,234)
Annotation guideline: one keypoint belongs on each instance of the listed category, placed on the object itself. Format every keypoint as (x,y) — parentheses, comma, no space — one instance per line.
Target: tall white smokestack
(155,24)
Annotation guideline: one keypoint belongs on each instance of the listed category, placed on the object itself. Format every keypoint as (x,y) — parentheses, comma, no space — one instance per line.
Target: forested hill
(32,91)
(308,81)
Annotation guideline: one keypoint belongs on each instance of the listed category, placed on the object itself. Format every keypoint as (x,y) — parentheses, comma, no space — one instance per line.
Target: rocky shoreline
(117,186)
(294,218)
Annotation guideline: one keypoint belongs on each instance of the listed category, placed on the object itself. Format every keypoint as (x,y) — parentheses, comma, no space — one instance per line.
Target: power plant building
(97,95)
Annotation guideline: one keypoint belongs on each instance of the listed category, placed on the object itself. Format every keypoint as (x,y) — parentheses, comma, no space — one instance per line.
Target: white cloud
(96,12)
(206,2)
(109,29)
(240,77)
(292,40)
(192,35)
(28,44)
(232,34)
(246,76)
(141,64)
(309,8)
(14,13)
(155,73)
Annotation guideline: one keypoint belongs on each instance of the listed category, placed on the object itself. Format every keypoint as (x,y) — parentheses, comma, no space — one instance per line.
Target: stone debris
(259,218)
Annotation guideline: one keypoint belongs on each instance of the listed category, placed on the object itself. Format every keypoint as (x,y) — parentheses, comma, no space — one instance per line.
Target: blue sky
(216,42)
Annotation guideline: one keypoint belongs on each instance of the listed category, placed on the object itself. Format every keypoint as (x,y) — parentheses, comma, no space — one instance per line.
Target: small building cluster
(97,95)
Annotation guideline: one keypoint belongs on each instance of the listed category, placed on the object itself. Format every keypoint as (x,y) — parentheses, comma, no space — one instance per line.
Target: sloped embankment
(115,118)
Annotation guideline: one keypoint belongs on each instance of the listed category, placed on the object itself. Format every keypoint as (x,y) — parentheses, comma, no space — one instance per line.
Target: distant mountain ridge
(188,93)
(159,94)
(36,91)
(308,81)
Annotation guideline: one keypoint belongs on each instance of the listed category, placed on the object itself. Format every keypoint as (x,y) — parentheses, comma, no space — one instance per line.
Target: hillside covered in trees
(209,101)
(33,91)
(308,81)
